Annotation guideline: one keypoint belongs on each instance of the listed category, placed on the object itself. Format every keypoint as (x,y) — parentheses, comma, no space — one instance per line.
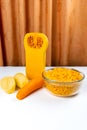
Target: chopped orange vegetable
(63,81)
(63,75)
(30,87)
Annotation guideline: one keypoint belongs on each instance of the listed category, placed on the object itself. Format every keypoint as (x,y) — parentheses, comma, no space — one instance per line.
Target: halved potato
(8,84)
(21,80)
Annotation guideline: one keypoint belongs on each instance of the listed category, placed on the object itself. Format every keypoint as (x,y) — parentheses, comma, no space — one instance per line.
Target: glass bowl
(63,87)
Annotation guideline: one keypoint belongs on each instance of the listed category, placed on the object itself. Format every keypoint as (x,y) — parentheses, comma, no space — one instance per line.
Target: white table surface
(41,110)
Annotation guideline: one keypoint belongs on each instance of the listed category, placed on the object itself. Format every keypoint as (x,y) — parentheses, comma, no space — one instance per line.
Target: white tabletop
(41,110)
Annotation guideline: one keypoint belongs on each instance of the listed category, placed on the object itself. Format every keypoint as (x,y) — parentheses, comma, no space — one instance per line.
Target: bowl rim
(55,81)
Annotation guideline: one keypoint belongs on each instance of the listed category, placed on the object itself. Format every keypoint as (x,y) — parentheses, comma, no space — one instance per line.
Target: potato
(8,84)
(21,80)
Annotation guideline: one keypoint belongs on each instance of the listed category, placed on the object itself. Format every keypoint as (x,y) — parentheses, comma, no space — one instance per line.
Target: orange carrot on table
(33,85)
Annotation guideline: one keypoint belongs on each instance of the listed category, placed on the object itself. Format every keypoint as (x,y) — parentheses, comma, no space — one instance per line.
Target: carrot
(31,86)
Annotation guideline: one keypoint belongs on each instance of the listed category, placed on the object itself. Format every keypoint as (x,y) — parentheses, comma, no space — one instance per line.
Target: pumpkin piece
(35,51)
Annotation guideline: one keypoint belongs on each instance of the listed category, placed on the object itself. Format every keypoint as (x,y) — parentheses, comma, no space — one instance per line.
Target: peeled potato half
(21,80)
(8,84)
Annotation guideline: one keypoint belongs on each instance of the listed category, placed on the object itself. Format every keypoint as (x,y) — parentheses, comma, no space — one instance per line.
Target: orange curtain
(63,21)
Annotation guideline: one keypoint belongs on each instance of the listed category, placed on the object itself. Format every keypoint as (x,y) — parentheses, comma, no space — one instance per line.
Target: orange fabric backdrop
(63,21)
